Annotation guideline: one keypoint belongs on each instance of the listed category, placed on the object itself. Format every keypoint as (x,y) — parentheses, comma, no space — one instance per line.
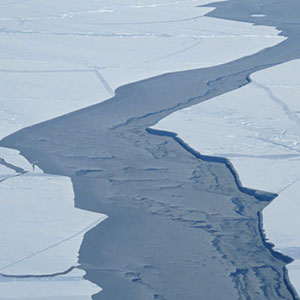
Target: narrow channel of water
(178,225)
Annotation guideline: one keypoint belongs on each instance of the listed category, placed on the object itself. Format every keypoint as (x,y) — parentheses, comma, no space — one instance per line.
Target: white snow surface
(43,231)
(256,127)
(61,56)
(101,45)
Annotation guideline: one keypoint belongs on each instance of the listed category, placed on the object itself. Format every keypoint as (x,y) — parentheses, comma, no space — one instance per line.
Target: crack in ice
(93,224)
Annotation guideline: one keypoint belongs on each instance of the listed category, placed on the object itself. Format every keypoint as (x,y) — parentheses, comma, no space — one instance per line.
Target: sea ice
(57,57)
(153,37)
(43,231)
(71,286)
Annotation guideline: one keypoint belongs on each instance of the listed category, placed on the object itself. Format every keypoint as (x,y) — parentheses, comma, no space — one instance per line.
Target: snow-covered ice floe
(61,56)
(256,127)
(41,232)
(154,37)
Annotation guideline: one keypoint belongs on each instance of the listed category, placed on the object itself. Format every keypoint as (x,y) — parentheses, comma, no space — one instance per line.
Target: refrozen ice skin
(257,128)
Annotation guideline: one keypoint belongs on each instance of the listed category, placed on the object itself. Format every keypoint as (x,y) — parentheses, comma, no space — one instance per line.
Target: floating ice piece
(32,97)
(43,230)
(183,36)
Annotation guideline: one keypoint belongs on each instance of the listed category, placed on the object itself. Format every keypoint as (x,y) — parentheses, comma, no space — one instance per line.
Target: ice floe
(42,232)
(153,37)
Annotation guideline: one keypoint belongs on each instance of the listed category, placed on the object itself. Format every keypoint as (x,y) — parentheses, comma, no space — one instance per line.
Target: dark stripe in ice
(17,169)
(4,275)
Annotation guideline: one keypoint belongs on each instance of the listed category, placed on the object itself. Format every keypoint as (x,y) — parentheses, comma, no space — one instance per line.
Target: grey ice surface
(179,227)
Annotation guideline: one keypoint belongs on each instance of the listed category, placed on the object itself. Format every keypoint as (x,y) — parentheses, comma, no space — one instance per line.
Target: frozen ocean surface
(56,60)
(154,38)
(42,232)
